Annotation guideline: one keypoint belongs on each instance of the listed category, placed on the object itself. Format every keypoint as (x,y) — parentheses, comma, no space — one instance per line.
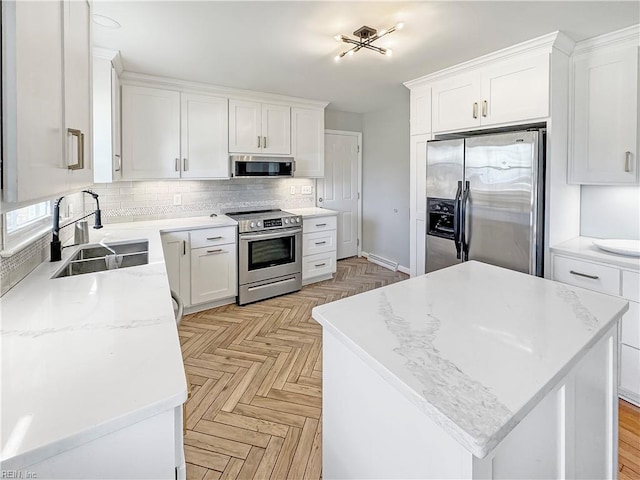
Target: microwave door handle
(267,236)
(456,221)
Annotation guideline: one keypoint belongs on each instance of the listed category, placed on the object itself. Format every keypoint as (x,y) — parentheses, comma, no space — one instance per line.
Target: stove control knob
(298,220)
(252,225)
(286,220)
(259,224)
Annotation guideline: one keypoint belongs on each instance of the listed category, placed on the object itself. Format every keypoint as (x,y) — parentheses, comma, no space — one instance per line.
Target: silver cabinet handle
(627,161)
(119,162)
(321,224)
(321,243)
(80,136)
(185,164)
(592,277)
(258,141)
(484,108)
(214,238)
(184,247)
(475,109)
(177,165)
(264,142)
(320,264)
(217,250)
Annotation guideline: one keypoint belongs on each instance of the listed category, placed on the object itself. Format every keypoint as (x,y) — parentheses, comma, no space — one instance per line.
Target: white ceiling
(288,47)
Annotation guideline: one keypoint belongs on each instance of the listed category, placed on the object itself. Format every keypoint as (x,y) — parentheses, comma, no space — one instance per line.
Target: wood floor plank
(213,475)
(195,472)
(270,415)
(281,469)
(269,458)
(314,464)
(298,398)
(217,444)
(301,456)
(250,466)
(198,405)
(220,399)
(303,389)
(253,424)
(267,383)
(204,458)
(232,470)
(286,407)
(237,393)
(233,433)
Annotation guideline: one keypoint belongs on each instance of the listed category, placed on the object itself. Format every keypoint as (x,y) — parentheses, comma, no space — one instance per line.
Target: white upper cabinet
(307,142)
(43,41)
(500,92)
(420,115)
(259,128)
(150,133)
(604,114)
(204,142)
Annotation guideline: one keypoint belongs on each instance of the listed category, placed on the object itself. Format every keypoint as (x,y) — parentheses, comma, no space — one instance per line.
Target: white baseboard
(400,268)
(404,269)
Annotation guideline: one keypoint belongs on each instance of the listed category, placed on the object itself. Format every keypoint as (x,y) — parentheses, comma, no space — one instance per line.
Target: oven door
(270,254)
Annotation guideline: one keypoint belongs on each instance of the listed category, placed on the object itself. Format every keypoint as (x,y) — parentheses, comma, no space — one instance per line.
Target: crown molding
(624,35)
(111,55)
(145,80)
(555,40)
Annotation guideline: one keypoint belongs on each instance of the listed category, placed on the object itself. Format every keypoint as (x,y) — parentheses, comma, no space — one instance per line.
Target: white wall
(385,182)
(337,120)
(610,212)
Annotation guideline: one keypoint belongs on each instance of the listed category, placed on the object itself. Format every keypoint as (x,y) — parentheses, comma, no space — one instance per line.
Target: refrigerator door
(500,214)
(445,160)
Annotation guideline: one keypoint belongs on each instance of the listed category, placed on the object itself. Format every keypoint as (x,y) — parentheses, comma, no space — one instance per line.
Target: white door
(339,188)
(204,136)
(245,127)
(213,273)
(276,129)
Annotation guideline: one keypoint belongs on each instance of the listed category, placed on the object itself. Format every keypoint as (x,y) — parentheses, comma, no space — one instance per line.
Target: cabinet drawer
(631,285)
(319,242)
(587,275)
(319,264)
(630,369)
(318,224)
(631,326)
(213,273)
(212,236)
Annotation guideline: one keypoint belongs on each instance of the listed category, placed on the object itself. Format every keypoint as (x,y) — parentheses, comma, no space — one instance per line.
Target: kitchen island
(473,371)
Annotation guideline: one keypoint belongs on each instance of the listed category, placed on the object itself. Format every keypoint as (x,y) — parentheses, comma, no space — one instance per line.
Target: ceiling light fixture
(366,36)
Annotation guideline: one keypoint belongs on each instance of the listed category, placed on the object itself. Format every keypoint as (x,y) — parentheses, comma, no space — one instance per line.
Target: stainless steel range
(269,254)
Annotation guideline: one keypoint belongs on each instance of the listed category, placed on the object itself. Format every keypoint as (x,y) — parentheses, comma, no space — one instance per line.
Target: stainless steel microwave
(250,166)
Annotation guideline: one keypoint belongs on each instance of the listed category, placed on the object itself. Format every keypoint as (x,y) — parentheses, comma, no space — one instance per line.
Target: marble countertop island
(85,355)
(474,347)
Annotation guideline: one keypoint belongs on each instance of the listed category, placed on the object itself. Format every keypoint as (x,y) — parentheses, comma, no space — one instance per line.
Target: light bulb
(382,32)
(337,58)
(338,38)
(399,25)
(388,52)
(350,52)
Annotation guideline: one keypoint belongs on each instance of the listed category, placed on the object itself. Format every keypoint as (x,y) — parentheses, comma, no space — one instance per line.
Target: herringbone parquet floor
(255,374)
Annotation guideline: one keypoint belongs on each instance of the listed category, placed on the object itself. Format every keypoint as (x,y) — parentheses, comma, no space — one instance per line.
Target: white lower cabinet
(202,266)
(613,280)
(319,250)
(213,273)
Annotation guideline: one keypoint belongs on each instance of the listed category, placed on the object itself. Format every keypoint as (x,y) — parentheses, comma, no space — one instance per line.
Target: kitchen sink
(97,258)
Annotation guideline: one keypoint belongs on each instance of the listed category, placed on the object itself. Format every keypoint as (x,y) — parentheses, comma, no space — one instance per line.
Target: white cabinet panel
(318,265)
(213,273)
(456,102)
(418,203)
(631,285)
(420,116)
(204,143)
(630,372)
(150,133)
(515,90)
(593,276)
(319,242)
(604,137)
(631,326)
(317,224)
(276,129)
(245,127)
(176,250)
(208,237)
(307,142)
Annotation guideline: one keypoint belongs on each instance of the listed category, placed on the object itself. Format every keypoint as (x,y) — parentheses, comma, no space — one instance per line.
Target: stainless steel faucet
(56,245)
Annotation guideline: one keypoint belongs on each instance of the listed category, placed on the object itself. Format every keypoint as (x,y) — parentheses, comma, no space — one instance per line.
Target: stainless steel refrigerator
(485,198)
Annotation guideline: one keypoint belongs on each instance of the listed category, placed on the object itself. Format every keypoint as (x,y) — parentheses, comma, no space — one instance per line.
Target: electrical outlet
(307,189)
(177,199)
(293,189)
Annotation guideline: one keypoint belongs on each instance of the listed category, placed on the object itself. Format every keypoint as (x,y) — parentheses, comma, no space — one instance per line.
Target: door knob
(320,199)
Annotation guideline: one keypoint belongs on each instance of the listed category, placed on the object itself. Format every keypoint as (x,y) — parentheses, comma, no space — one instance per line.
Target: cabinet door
(420,110)
(515,90)
(32,105)
(276,129)
(175,246)
(213,273)
(106,148)
(630,373)
(77,90)
(604,118)
(205,152)
(307,142)
(116,126)
(245,132)
(418,203)
(150,133)
(456,102)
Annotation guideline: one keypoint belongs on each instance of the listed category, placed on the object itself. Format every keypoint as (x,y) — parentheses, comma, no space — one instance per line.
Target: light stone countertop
(584,248)
(310,212)
(475,347)
(83,356)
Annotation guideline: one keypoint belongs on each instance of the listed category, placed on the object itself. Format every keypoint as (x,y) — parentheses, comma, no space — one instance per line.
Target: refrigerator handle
(456,220)
(463,223)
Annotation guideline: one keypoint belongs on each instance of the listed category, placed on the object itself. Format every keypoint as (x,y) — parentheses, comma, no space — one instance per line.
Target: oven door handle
(266,236)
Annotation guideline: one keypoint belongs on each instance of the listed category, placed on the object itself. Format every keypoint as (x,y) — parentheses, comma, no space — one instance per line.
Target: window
(25,224)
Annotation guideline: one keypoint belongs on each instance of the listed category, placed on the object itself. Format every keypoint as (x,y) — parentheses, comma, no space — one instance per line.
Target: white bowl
(630,248)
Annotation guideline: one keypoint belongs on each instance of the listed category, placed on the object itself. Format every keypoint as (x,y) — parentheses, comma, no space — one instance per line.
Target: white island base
(370,430)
